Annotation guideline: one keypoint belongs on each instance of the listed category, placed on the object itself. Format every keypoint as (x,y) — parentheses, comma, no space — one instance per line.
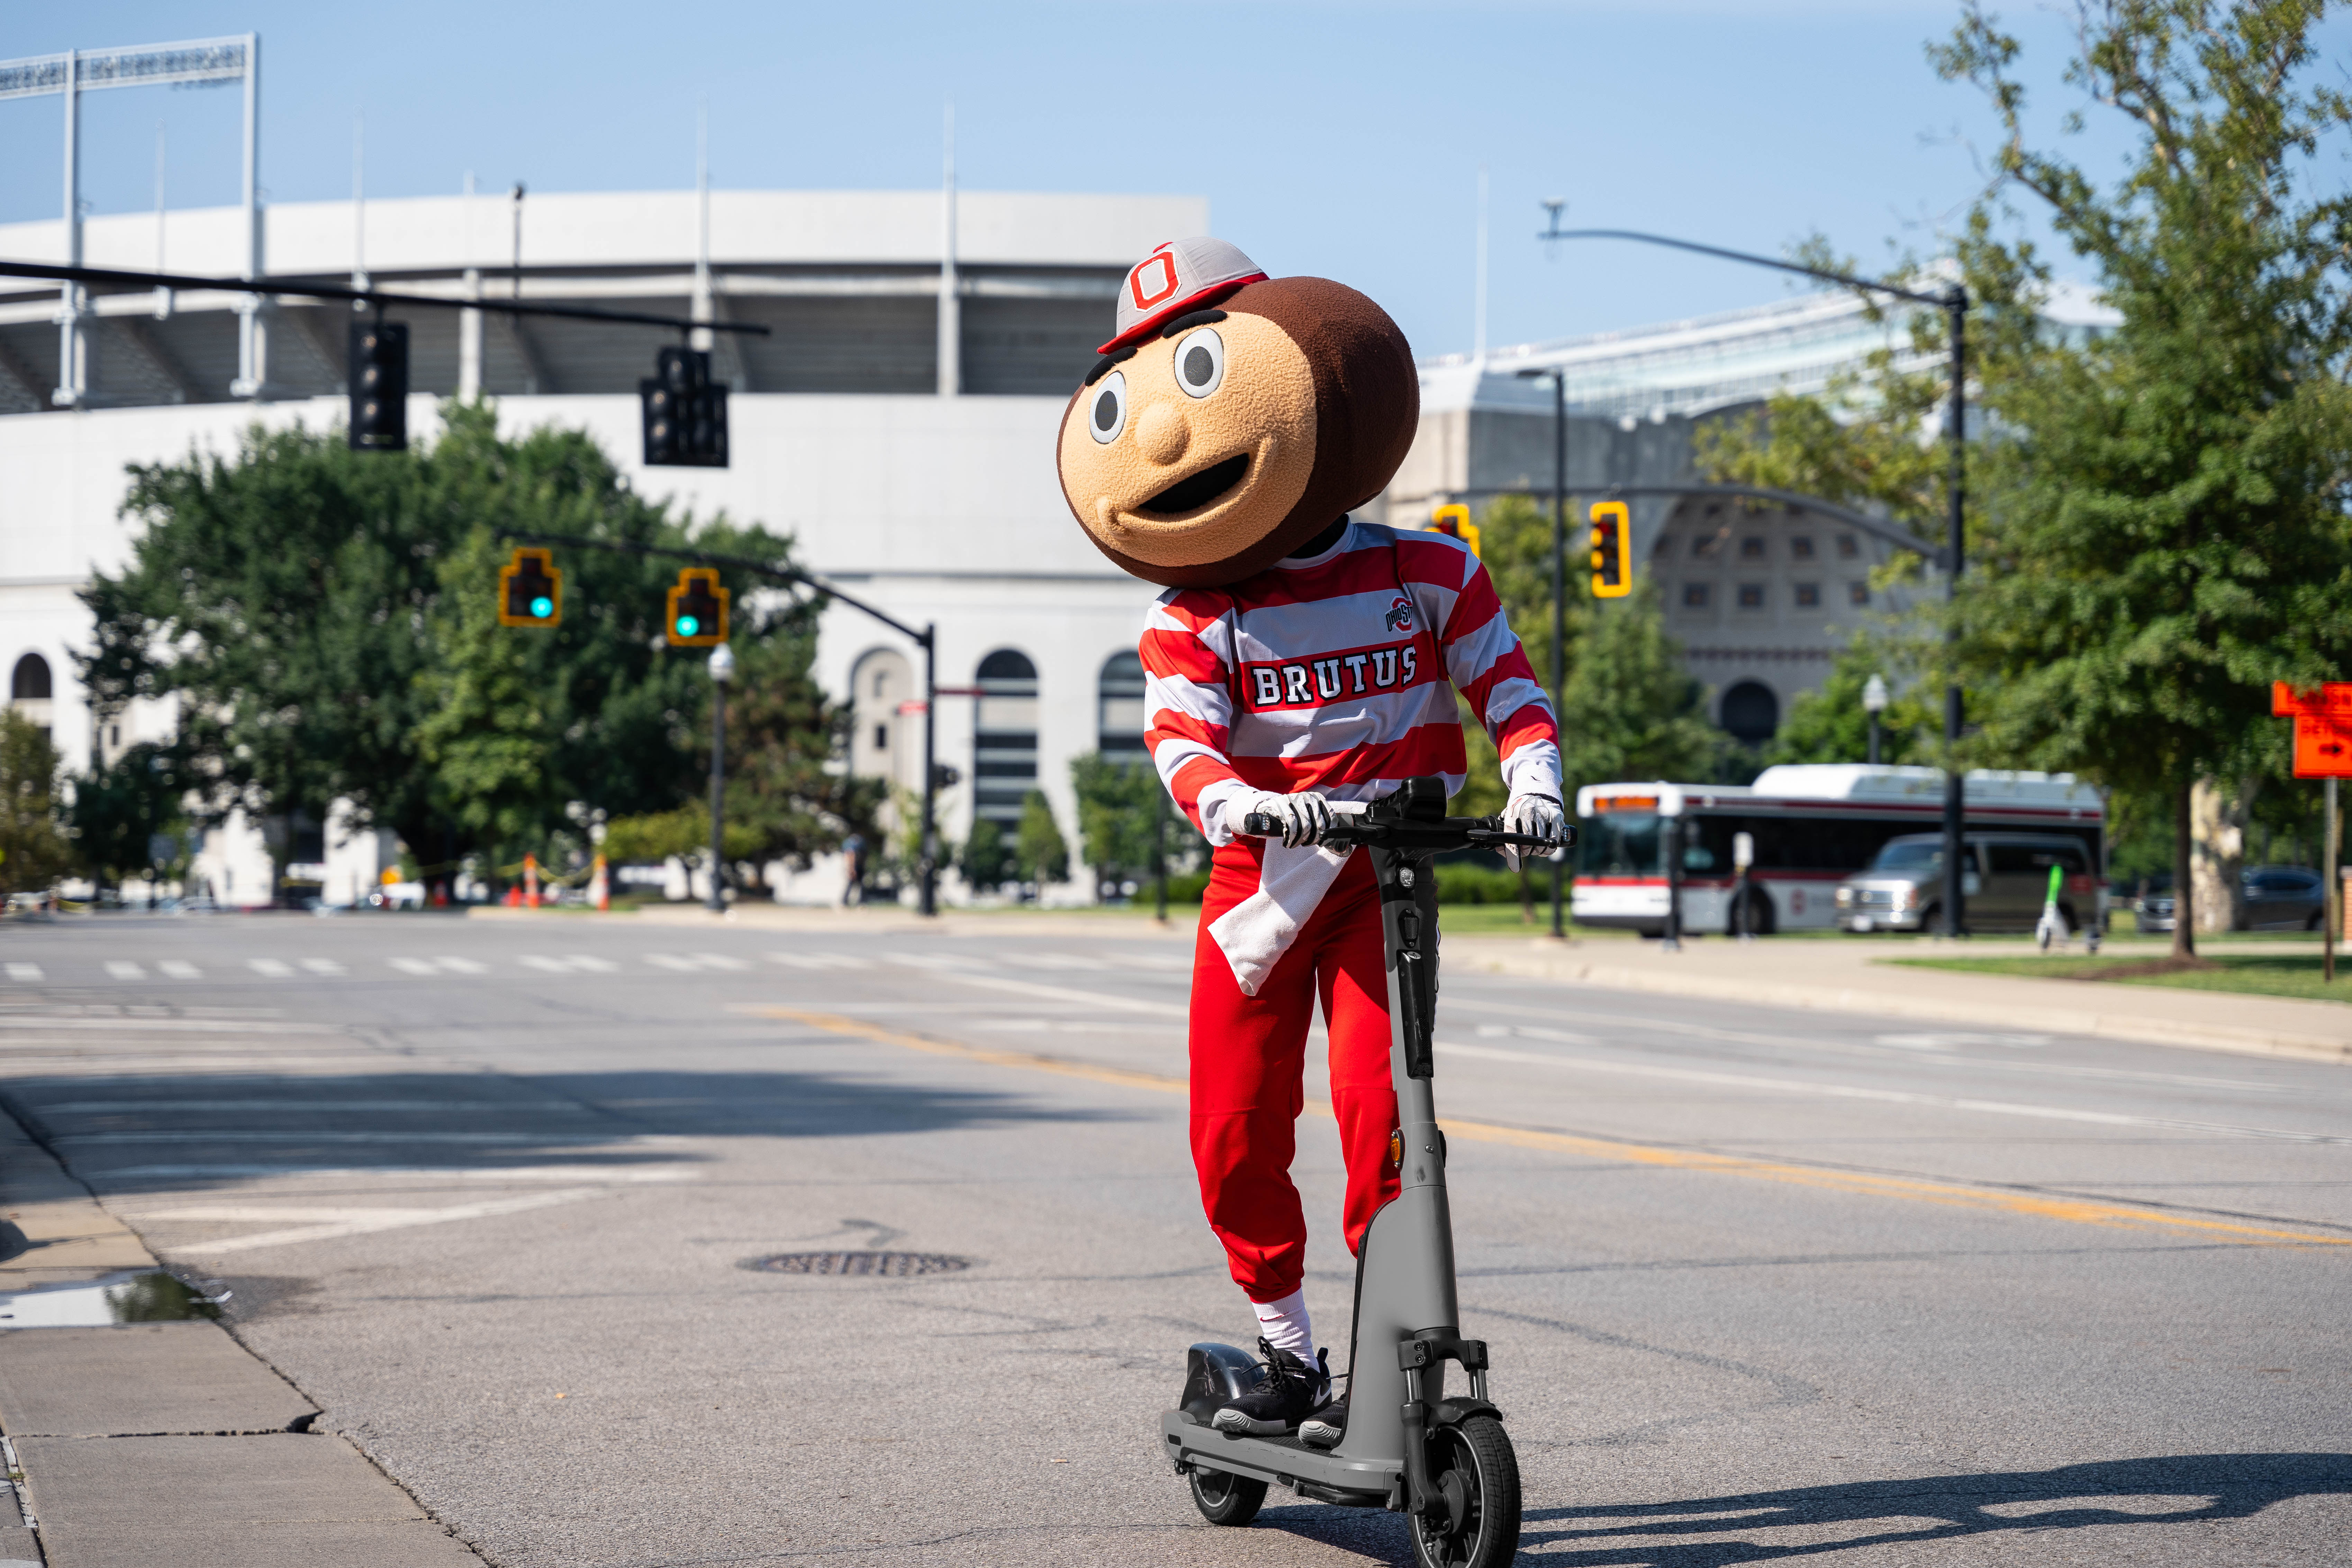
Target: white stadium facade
(899,422)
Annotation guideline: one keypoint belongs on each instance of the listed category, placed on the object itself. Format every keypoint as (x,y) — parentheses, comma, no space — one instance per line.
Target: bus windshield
(1618,844)
(1909,854)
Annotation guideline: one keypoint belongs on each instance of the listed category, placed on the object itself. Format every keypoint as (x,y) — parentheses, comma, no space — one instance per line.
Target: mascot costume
(1299,660)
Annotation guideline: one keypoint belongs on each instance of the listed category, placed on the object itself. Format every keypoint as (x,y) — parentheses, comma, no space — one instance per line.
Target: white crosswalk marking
(124,969)
(180,969)
(543,963)
(322,966)
(820,960)
(274,968)
(587,964)
(24,971)
(570,963)
(413,966)
(673,961)
(721,961)
(936,960)
(1055,961)
(463,966)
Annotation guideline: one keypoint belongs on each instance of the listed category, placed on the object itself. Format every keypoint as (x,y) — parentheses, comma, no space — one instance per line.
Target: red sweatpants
(1249,1061)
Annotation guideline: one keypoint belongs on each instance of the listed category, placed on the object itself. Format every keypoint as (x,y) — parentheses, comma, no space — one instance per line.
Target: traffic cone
(599,889)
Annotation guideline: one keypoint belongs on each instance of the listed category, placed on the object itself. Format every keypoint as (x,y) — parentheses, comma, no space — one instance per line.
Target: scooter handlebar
(1449,833)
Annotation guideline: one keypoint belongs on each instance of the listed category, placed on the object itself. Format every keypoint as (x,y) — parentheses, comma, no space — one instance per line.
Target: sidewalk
(163,1442)
(1845,976)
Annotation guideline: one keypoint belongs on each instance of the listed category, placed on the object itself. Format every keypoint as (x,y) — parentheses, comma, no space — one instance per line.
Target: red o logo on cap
(1161,288)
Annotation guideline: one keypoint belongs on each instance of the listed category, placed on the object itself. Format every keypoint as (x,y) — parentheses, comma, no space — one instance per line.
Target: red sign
(2323,728)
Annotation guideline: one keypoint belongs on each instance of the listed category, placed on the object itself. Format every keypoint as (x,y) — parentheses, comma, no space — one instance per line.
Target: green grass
(2259,974)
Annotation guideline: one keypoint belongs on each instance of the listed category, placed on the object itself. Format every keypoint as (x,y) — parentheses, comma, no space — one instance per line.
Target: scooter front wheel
(1476,1478)
(1224,1498)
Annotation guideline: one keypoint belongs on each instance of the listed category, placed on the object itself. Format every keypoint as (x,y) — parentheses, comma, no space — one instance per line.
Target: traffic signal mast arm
(739,563)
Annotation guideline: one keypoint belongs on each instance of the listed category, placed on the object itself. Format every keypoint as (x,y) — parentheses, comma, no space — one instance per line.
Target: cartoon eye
(1200,362)
(1107,415)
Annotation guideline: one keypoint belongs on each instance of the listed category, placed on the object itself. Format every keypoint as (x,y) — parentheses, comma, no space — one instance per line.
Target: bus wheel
(1758,920)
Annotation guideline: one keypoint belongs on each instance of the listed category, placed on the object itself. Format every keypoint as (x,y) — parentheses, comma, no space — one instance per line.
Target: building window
(1809,595)
(1751,596)
(1118,710)
(1849,547)
(1857,592)
(1707,547)
(881,737)
(1663,547)
(1004,738)
(1752,547)
(31,682)
(1751,712)
(1801,546)
(1693,596)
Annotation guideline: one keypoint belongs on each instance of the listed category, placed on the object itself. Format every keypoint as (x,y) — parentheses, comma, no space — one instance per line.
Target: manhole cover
(888,1264)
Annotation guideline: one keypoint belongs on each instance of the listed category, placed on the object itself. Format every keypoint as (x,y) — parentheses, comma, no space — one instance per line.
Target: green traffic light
(543,607)
(687,626)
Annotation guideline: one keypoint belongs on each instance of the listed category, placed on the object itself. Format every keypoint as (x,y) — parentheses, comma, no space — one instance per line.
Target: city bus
(1812,826)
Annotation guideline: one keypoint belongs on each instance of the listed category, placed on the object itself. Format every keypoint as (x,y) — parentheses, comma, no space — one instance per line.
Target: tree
(1125,822)
(985,860)
(1038,852)
(33,851)
(2166,531)
(120,809)
(1628,711)
(1828,725)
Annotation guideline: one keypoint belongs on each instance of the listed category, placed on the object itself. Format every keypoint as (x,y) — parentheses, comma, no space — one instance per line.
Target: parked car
(2277,898)
(2005,880)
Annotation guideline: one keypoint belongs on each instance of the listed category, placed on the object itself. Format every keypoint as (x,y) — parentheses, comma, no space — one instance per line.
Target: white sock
(1286,1326)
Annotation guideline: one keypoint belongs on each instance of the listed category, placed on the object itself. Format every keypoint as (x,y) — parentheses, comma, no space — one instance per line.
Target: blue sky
(1336,139)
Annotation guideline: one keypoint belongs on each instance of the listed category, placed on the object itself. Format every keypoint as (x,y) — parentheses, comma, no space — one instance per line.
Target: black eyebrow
(1195,319)
(1102,366)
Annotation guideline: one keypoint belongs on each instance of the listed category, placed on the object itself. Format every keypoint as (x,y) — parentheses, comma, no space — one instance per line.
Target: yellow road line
(2076,1211)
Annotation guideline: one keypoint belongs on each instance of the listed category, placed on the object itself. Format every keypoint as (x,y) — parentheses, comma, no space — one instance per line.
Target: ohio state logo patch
(1400,616)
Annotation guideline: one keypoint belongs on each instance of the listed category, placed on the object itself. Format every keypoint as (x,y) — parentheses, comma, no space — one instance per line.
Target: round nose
(1162,435)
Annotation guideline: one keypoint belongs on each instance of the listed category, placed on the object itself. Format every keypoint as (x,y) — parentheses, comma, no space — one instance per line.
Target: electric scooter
(1442,1460)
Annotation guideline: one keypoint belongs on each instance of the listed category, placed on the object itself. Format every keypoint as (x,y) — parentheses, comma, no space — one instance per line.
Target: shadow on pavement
(190,1131)
(2195,1488)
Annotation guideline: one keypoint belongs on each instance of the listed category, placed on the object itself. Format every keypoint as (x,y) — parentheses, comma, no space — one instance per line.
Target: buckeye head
(1234,417)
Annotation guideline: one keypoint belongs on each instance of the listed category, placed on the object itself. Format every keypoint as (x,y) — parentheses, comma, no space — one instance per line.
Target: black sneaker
(1325,1426)
(1291,1391)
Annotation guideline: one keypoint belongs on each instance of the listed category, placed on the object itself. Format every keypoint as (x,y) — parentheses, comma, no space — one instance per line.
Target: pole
(2331,895)
(718,903)
(72,363)
(1670,849)
(1558,603)
(1160,853)
(928,865)
(1955,788)
(1874,739)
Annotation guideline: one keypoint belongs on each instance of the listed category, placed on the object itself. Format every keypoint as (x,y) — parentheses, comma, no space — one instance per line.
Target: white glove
(1304,817)
(1538,816)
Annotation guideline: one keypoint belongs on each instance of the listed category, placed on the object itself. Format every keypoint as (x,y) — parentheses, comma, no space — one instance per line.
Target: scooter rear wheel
(1224,1498)
(1477,1476)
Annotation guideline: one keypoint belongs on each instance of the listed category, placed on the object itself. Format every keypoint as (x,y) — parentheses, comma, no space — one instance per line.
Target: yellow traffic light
(1612,551)
(530,590)
(1454,520)
(697,610)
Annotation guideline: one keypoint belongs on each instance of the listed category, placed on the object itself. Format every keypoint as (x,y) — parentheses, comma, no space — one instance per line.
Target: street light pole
(1873,702)
(928,869)
(1954,303)
(1559,378)
(722,670)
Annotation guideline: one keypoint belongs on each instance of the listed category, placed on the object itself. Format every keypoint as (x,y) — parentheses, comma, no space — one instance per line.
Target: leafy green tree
(1125,819)
(986,860)
(120,809)
(1629,710)
(33,849)
(1829,723)
(783,736)
(1039,853)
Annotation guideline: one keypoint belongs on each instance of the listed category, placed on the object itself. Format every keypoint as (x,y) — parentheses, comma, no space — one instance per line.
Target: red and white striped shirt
(1337,672)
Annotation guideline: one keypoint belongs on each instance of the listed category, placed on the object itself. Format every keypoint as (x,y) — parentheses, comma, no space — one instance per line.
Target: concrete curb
(1893,1002)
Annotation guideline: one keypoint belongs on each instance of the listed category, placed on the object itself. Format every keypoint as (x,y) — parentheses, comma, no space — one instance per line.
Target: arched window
(30,683)
(1118,710)
(1004,738)
(1751,712)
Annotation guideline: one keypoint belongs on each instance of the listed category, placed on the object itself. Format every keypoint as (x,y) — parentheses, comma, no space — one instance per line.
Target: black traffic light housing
(1612,551)
(697,610)
(530,590)
(683,412)
(379,386)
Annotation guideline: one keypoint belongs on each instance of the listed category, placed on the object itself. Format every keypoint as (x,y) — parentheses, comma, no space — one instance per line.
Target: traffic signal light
(683,412)
(1612,551)
(1454,520)
(697,610)
(530,590)
(379,386)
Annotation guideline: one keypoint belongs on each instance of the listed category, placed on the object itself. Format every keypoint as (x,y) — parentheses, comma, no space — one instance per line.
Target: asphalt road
(1759,1284)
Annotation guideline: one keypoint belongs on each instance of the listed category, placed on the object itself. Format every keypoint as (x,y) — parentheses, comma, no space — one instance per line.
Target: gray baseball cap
(1180,276)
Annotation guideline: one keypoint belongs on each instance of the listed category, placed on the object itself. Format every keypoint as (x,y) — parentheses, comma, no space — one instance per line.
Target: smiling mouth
(1197,490)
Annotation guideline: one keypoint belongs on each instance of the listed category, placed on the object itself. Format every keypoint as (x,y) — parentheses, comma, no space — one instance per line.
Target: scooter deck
(1310,1472)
